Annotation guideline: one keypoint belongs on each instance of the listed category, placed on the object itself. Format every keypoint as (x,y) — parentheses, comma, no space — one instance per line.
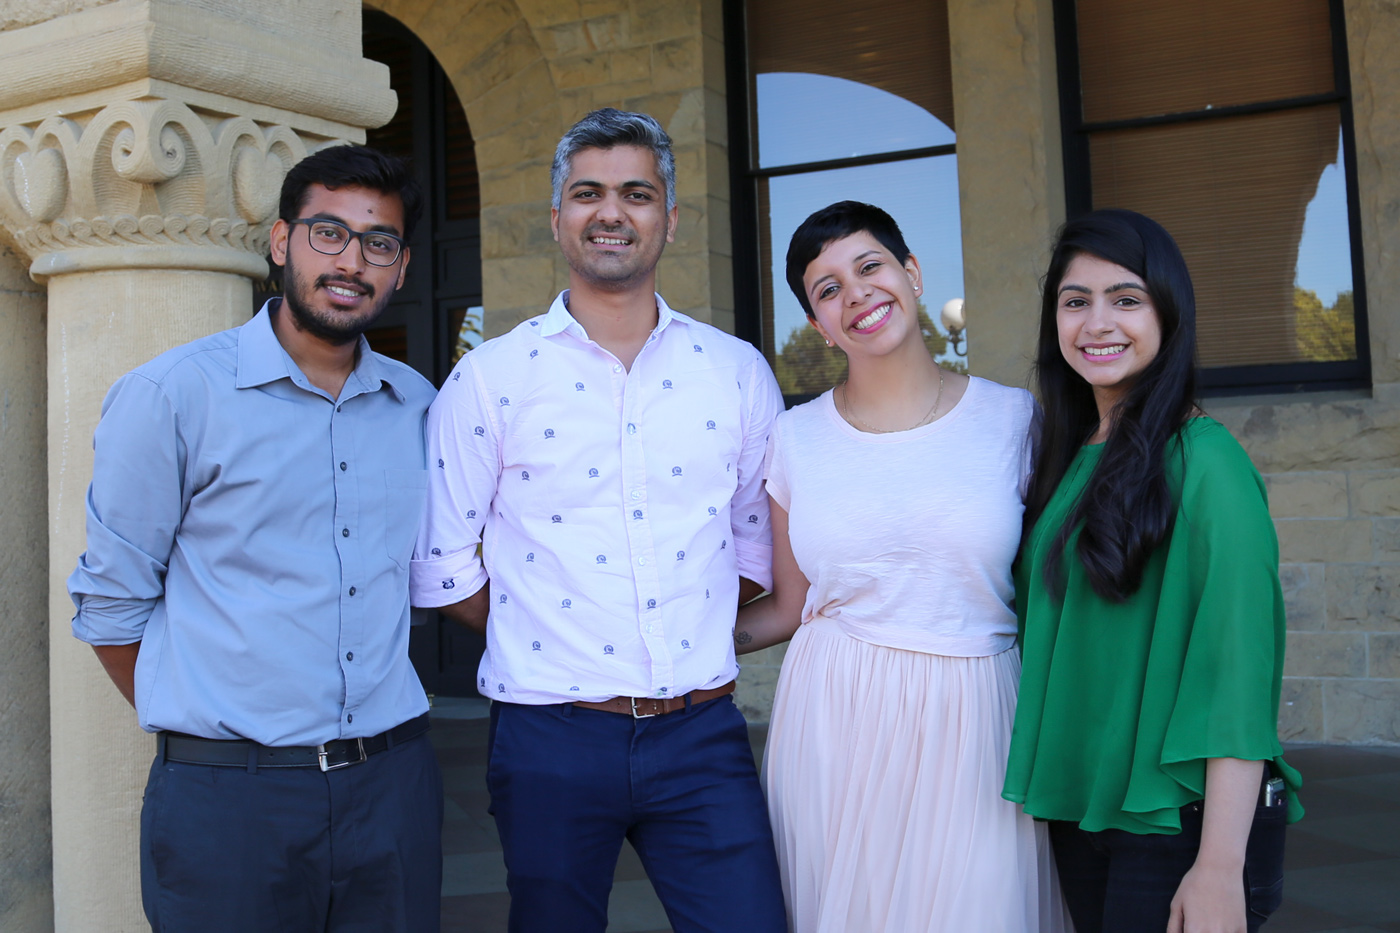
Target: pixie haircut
(836,222)
(351,166)
(606,129)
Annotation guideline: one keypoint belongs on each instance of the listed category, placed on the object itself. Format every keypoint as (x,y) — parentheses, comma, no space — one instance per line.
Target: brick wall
(1339,541)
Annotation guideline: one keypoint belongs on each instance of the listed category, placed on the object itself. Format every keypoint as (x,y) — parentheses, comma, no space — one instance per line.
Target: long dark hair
(1126,509)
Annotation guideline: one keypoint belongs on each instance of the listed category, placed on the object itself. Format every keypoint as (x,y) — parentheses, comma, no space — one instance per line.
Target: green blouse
(1122,703)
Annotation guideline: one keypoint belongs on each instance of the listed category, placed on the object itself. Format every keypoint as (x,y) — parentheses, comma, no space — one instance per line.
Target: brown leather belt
(646,707)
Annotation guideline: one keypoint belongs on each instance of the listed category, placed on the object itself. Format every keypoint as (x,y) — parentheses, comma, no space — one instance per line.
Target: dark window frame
(1230,380)
(745,176)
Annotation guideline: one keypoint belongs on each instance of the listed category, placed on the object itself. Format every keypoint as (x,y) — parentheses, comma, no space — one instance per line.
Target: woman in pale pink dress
(896,515)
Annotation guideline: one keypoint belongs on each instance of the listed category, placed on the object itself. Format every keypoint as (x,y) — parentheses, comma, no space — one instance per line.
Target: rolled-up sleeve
(463,469)
(134,506)
(749,517)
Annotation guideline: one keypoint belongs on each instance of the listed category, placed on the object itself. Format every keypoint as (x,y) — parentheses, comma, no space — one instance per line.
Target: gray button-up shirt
(254,535)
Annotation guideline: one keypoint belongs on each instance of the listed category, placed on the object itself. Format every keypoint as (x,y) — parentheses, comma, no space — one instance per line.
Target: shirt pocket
(405,494)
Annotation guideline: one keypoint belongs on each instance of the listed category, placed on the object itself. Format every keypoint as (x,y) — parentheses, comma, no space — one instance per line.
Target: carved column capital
(145,184)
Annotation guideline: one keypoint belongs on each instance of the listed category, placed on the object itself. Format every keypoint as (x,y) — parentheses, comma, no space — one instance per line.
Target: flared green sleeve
(1122,703)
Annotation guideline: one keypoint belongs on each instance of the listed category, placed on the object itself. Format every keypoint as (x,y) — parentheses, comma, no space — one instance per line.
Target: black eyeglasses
(327,236)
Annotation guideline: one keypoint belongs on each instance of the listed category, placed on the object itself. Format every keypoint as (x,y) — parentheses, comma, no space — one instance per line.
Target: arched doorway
(436,316)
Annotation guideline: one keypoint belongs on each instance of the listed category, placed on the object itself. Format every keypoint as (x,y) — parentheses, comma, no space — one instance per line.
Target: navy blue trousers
(1121,882)
(228,850)
(568,785)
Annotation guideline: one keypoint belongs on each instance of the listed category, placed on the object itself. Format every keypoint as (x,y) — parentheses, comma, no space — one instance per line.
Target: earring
(830,344)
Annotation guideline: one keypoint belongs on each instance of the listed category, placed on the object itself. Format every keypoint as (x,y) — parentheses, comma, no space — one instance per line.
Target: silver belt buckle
(637,715)
(321,757)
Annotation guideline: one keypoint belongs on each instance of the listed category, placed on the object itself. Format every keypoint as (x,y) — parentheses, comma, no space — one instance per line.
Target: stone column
(25,855)
(142,150)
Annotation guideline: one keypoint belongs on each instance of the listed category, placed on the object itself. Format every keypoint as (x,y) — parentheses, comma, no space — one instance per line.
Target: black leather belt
(242,753)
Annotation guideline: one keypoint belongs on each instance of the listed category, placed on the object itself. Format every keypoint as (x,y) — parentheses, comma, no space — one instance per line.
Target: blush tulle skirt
(883,772)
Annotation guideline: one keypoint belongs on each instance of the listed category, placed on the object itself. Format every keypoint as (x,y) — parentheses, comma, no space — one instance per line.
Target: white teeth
(342,291)
(873,318)
(1105,351)
(610,241)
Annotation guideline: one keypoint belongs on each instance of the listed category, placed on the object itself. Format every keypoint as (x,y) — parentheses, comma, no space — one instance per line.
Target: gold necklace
(928,416)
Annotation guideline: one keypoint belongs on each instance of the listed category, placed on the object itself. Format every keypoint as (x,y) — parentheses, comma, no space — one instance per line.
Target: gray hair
(607,128)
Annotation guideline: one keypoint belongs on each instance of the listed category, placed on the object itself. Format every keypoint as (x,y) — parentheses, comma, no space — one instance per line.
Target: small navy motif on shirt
(675,471)
(504,400)
(556,519)
(578,386)
(548,432)
(713,511)
(680,555)
(440,463)
(479,431)
(753,519)
(449,583)
(503,599)
(573,689)
(709,425)
(666,384)
(530,558)
(471,513)
(697,348)
(685,644)
(566,604)
(534,353)
(651,604)
(663,689)
(600,559)
(500,688)
(636,514)
(723,544)
(525,475)
(455,377)
(534,646)
(483,681)
(607,649)
(436,552)
(592,472)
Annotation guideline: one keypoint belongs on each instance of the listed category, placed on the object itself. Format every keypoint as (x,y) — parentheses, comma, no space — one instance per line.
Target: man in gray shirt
(254,503)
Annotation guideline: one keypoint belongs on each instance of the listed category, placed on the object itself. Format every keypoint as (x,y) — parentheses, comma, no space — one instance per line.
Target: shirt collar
(263,359)
(557,319)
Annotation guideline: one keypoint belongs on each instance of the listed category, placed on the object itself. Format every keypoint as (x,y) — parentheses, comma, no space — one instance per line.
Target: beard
(614,273)
(335,327)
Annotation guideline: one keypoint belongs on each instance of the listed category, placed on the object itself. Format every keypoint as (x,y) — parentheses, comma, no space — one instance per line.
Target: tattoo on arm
(742,638)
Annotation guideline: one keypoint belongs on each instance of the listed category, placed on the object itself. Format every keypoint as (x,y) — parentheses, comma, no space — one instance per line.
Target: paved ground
(1343,862)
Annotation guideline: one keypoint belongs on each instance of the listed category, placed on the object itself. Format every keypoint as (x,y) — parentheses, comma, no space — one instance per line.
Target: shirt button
(352,591)
(642,561)
(631,429)
(636,494)
(349,717)
(617,367)
(342,466)
(349,655)
(345,532)
(648,629)
(337,408)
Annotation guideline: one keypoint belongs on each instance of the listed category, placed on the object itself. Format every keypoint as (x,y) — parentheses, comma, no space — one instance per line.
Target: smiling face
(1108,328)
(863,299)
(335,298)
(612,223)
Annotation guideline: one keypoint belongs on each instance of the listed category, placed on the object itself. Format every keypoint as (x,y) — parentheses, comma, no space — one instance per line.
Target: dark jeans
(1120,882)
(295,850)
(569,784)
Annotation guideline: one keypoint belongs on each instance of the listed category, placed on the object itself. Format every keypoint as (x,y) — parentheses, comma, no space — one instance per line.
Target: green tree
(806,365)
(1325,334)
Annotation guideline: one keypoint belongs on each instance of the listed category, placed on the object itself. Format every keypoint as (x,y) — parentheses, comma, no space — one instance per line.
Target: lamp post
(955,323)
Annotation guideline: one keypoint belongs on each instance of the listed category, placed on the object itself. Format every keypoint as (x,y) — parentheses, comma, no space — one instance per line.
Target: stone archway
(525,70)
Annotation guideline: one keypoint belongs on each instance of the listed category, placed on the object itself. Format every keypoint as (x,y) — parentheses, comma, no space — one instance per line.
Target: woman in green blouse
(1151,617)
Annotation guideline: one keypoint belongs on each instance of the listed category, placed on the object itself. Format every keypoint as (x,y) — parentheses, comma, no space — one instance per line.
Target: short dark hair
(608,128)
(353,166)
(1127,508)
(836,222)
